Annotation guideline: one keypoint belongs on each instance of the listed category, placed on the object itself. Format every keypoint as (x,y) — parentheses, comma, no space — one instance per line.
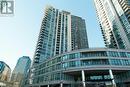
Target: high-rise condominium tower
(60,32)
(114,18)
(125,5)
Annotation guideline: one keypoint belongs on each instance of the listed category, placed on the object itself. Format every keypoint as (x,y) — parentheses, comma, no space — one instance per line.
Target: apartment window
(93,54)
(113,54)
(64,57)
(125,62)
(94,62)
(123,54)
(72,64)
(128,54)
(116,62)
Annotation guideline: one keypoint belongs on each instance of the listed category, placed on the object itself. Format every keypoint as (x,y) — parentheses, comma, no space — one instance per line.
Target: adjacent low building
(84,68)
(5,72)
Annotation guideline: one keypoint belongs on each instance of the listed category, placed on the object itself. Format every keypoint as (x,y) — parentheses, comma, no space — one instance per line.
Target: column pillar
(83,78)
(48,86)
(112,77)
(61,84)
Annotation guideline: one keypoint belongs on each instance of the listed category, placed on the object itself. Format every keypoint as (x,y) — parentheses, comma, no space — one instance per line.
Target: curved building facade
(5,72)
(84,68)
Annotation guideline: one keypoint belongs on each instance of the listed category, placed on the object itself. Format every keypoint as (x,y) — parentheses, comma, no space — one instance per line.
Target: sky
(19,33)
